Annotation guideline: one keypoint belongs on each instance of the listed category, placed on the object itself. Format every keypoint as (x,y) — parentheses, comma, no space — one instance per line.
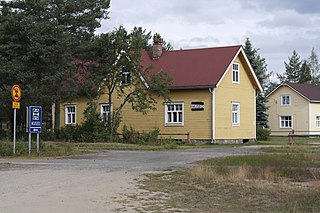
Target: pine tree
(305,73)
(39,41)
(314,65)
(293,68)
(260,68)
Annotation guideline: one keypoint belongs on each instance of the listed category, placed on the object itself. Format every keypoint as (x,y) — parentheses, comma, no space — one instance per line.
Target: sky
(275,27)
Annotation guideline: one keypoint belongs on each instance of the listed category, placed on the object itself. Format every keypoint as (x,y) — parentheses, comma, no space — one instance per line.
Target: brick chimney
(156,50)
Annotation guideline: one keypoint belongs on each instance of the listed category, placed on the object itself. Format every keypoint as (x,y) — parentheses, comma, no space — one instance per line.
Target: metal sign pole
(14,130)
(29,143)
(38,142)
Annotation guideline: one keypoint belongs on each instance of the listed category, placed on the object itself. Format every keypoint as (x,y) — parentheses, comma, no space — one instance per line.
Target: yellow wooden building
(212,96)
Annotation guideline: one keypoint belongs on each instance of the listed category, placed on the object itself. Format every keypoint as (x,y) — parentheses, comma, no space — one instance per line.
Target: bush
(69,133)
(47,136)
(263,134)
(93,129)
(6,148)
(132,136)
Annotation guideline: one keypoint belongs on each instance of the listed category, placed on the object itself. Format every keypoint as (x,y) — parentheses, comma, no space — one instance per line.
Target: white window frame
(285,100)
(105,114)
(282,121)
(235,73)
(72,114)
(317,121)
(235,114)
(171,117)
(126,76)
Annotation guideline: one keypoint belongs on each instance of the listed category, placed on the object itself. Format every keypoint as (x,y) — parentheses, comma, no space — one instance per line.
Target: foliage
(69,133)
(6,148)
(259,66)
(157,38)
(92,129)
(131,136)
(39,41)
(301,70)
(292,69)
(313,62)
(263,134)
(116,53)
(47,136)
(305,73)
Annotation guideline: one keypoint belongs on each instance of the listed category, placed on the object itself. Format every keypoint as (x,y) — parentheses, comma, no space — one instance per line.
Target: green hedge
(263,134)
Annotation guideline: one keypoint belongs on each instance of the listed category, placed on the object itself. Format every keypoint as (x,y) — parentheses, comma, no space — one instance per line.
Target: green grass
(287,179)
(293,149)
(51,149)
(267,160)
(46,149)
(283,140)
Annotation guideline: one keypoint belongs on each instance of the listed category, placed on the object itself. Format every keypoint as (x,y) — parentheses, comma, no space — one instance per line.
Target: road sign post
(16,96)
(35,124)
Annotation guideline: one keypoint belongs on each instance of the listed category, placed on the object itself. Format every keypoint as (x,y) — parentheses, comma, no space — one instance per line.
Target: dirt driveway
(92,183)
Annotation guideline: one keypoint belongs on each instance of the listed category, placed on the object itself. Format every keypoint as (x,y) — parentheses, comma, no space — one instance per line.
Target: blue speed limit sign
(35,119)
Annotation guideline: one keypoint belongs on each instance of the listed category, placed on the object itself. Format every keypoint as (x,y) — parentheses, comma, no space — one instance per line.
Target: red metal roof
(310,91)
(194,67)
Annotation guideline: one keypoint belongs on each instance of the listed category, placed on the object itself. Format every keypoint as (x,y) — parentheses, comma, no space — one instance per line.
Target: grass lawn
(286,179)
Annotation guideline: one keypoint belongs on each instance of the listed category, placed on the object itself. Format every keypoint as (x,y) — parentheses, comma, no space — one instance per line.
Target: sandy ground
(99,183)
(66,191)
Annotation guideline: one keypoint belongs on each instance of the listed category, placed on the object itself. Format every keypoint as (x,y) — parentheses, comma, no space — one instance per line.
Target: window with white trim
(318,121)
(285,100)
(125,75)
(70,114)
(235,72)
(174,114)
(105,110)
(235,114)
(286,121)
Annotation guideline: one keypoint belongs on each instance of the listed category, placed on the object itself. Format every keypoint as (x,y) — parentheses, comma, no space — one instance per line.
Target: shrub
(69,133)
(132,136)
(6,148)
(263,134)
(47,136)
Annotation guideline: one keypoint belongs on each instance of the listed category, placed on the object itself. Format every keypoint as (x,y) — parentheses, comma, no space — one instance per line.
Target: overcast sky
(276,27)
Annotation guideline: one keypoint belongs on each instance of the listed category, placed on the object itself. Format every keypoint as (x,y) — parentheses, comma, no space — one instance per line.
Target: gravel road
(90,183)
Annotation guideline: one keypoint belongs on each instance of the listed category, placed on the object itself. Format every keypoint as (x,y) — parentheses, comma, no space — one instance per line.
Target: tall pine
(260,68)
(292,68)
(314,65)
(39,42)
(305,75)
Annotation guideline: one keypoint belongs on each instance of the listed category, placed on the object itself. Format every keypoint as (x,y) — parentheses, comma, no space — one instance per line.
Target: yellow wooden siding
(197,123)
(298,109)
(314,111)
(81,105)
(243,93)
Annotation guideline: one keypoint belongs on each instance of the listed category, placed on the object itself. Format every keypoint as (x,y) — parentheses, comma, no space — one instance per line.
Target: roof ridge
(205,48)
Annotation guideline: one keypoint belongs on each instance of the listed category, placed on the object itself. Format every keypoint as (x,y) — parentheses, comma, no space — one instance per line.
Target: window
(285,100)
(318,121)
(235,72)
(105,110)
(235,114)
(70,116)
(125,76)
(285,122)
(174,114)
